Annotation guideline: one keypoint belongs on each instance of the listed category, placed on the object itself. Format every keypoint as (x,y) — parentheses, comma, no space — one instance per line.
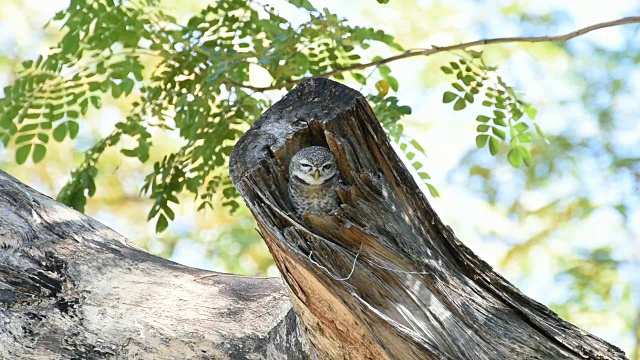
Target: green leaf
(531,112)
(469,97)
(448,97)
(404,109)
(302,61)
(515,158)
(499,133)
(482,128)
(447,70)
(161,224)
(84,106)
(481,140)
(116,91)
(516,114)
(43,137)
(541,133)
(417,146)
(71,42)
(127,86)
(433,191)
(305,4)
(359,78)
(468,79)
(474,54)
(460,104)
(521,127)
(417,165)
(60,132)
(167,210)
(39,151)
(525,138)
(25,138)
(22,153)
(494,146)
(384,70)
(500,121)
(482,118)
(96,101)
(74,127)
(424,176)
(393,82)
(526,155)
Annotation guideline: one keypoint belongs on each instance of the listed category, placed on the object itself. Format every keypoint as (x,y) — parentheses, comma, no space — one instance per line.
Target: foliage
(200,89)
(507,107)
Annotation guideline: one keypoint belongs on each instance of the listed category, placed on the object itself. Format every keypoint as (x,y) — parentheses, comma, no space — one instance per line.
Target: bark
(383,277)
(71,288)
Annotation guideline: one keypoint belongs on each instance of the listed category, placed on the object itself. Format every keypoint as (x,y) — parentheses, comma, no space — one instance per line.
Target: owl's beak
(317,174)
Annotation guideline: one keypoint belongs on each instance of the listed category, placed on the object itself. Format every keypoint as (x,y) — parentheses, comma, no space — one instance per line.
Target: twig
(439,49)
(353,267)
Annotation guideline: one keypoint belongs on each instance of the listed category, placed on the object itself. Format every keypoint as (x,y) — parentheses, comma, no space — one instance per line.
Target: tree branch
(439,49)
(71,288)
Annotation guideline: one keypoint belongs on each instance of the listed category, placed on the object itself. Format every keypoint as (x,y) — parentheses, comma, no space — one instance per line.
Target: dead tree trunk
(383,277)
(71,288)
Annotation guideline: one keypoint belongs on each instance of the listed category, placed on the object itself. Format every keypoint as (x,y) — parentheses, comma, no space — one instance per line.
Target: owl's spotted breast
(313,179)
(313,198)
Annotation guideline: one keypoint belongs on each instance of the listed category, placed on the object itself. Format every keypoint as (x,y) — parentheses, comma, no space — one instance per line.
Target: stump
(382,277)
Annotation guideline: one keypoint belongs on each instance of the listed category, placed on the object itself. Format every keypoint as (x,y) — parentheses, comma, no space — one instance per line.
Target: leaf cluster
(505,122)
(198,89)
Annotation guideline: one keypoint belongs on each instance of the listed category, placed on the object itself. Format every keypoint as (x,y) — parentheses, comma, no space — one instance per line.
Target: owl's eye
(305,167)
(326,167)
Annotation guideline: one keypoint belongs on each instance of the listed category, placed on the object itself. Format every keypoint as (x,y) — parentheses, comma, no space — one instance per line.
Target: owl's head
(314,165)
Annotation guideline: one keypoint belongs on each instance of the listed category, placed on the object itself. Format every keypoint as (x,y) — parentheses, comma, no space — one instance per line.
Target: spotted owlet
(313,179)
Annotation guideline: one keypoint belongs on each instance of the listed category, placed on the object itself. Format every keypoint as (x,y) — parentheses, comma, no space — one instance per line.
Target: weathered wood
(383,277)
(71,288)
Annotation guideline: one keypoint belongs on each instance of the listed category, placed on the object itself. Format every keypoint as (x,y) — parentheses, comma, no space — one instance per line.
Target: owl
(313,179)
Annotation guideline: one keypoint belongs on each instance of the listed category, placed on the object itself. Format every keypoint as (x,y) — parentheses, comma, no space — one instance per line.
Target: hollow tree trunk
(383,277)
(71,288)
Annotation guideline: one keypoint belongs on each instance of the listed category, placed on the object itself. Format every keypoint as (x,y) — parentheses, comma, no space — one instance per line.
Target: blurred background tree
(565,229)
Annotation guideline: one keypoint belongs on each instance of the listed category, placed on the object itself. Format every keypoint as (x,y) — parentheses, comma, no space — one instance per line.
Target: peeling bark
(382,277)
(71,288)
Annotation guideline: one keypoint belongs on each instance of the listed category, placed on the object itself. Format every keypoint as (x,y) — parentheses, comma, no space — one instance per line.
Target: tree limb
(71,288)
(439,49)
